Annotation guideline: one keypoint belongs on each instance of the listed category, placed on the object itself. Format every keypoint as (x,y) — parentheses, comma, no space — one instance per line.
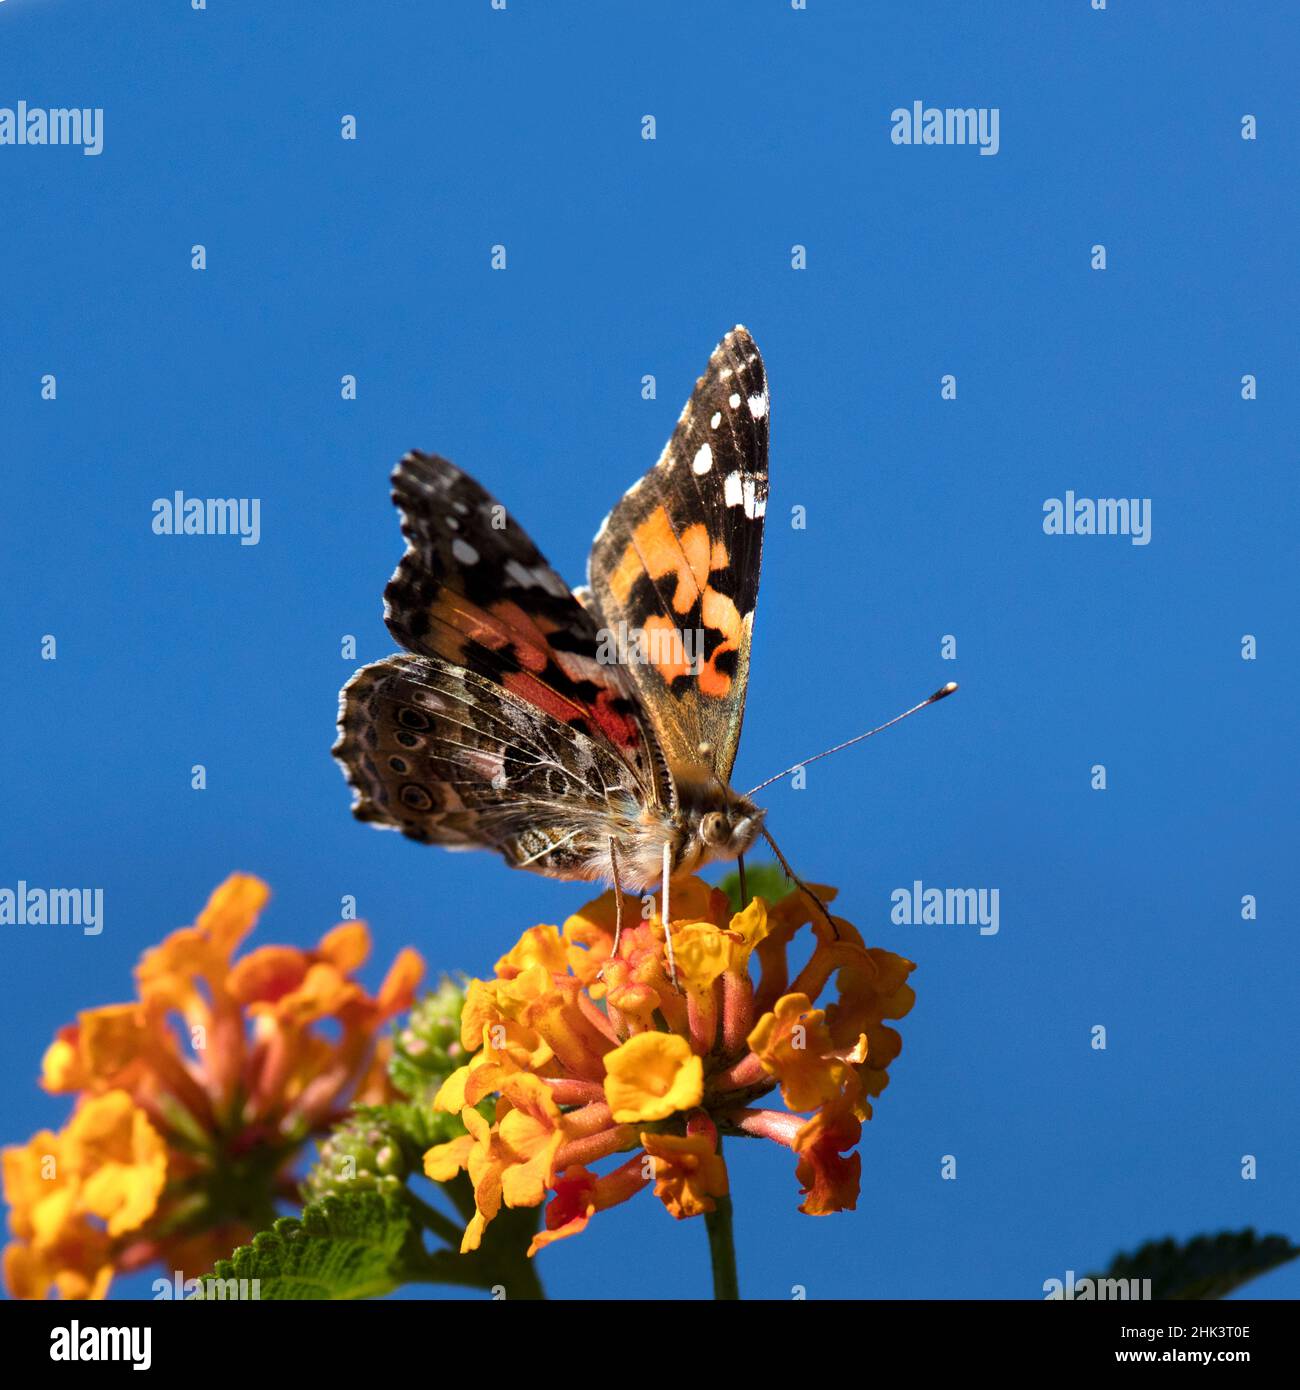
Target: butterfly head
(728,828)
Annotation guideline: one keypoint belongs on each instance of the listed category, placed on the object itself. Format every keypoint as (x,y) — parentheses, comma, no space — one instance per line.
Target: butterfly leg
(665,915)
(740,869)
(799,883)
(618,905)
(618,897)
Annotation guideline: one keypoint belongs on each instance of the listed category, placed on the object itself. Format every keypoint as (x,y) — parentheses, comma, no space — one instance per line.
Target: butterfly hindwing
(677,561)
(452,758)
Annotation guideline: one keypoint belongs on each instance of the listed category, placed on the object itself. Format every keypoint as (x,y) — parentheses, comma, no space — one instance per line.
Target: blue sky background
(626,257)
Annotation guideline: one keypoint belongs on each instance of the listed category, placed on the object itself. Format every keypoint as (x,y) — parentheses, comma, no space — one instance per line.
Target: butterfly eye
(714,828)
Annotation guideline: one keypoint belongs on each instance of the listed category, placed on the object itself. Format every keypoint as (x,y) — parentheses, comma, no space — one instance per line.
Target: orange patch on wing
(694,574)
(503,624)
(621,729)
(667,651)
(657,551)
(443,615)
(541,696)
(527,639)
(625,574)
(722,615)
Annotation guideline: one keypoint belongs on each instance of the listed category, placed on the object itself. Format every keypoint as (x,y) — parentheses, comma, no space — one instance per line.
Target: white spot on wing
(464,552)
(703,461)
(758,406)
(733,400)
(537,578)
(551,582)
(716,421)
(741,490)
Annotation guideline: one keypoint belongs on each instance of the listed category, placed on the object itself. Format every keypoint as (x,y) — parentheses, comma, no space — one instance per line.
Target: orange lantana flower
(591,1054)
(194,1101)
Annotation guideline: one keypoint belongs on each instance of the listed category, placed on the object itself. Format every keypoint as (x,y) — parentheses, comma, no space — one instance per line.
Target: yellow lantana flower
(194,1101)
(652,1076)
(592,1054)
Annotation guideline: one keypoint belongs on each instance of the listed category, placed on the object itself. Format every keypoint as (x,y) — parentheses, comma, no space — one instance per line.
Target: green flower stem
(500,1260)
(722,1250)
(434,1221)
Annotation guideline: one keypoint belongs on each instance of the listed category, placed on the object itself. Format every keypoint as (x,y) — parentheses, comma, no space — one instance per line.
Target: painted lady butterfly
(521,718)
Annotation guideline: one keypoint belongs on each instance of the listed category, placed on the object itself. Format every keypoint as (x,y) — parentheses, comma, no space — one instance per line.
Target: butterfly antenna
(799,883)
(848,743)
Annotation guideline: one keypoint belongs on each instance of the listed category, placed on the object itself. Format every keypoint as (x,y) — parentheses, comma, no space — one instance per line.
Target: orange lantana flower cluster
(194,1100)
(591,1055)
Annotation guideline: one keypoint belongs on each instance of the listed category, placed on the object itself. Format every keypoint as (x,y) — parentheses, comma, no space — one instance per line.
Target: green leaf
(767,881)
(1206,1267)
(342,1247)
(365,1244)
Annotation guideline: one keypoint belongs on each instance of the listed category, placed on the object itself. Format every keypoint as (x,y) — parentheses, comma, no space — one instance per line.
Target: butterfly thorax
(712,822)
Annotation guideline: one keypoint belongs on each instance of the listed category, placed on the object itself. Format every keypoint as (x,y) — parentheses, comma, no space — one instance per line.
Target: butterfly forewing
(473,590)
(674,569)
